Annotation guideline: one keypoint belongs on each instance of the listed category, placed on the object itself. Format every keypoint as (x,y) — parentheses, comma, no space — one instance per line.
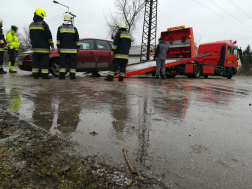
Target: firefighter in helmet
(3,47)
(120,52)
(13,46)
(68,45)
(41,39)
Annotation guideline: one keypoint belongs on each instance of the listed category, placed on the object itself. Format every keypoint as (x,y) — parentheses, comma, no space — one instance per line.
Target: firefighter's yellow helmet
(68,17)
(1,20)
(122,24)
(40,13)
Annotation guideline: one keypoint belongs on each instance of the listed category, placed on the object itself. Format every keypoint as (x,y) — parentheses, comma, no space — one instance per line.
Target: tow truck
(217,58)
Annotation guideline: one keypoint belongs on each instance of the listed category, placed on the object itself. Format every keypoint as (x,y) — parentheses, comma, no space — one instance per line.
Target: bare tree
(127,10)
(24,40)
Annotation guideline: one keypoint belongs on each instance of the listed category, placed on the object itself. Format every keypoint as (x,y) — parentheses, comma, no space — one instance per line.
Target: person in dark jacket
(3,47)
(41,39)
(160,56)
(120,51)
(68,44)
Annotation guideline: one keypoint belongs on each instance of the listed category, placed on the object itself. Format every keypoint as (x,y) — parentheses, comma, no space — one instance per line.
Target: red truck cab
(221,58)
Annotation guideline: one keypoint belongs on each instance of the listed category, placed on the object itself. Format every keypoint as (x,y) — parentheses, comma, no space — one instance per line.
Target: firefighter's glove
(52,48)
(78,51)
(5,47)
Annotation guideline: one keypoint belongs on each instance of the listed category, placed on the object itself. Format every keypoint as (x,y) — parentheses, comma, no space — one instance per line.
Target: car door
(103,54)
(88,54)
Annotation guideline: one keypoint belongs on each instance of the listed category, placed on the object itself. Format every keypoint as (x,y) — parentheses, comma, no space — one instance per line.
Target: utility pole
(149,31)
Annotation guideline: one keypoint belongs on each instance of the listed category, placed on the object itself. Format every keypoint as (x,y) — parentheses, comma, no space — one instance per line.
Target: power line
(58,24)
(244,38)
(240,9)
(54,17)
(229,13)
(55,21)
(222,16)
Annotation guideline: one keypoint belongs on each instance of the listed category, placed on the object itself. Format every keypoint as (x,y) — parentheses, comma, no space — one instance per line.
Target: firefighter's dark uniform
(68,42)
(121,48)
(41,39)
(2,46)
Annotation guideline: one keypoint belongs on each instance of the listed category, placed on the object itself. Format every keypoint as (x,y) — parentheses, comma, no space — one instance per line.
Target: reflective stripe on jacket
(12,40)
(122,44)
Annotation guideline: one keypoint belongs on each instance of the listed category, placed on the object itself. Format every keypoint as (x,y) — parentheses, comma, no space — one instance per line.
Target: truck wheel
(206,76)
(230,75)
(196,72)
(55,68)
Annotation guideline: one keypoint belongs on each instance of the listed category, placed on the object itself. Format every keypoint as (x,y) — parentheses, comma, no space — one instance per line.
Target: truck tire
(230,75)
(55,68)
(196,73)
(206,76)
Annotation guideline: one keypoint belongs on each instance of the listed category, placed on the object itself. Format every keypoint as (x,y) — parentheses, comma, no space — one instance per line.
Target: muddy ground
(187,133)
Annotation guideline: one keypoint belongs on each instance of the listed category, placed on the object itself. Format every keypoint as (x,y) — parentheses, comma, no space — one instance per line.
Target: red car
(95,56)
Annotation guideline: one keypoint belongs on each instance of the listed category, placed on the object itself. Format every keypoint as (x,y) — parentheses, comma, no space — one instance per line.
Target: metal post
(149,31)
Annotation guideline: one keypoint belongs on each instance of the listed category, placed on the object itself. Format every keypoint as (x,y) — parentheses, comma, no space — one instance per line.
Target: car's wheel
(55,68)
(206,76)
(196,72)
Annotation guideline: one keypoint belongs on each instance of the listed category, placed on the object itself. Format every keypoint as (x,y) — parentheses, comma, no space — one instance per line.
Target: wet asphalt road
(192,133)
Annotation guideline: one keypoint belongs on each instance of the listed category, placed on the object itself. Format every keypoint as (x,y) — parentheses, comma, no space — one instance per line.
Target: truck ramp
(145,67)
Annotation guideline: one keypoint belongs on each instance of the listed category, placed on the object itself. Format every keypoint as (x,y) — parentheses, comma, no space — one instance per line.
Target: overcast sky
(90,22)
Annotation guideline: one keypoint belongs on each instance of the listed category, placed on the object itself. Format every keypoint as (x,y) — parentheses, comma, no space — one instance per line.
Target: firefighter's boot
(157,77)
(35,75)
(109,78)
(62,75)
(73,74)
(2,71)
(121,78)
